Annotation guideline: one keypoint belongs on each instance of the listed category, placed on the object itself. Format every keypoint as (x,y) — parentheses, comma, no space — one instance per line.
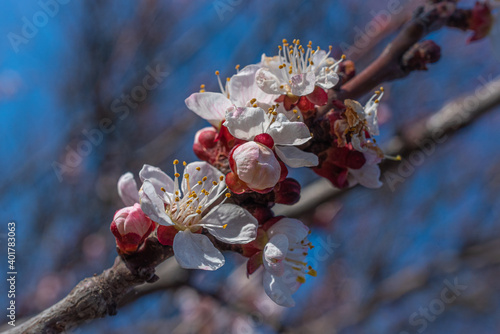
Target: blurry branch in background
(402,56)
(479,254)
(99,296)
(434,129)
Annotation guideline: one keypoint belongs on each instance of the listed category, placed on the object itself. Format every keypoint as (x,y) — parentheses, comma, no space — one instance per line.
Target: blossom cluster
(260,126)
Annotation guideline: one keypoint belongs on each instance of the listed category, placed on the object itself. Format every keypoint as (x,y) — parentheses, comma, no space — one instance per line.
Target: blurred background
(76,112)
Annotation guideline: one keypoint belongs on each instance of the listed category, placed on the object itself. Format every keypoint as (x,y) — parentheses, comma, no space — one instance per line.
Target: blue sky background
(47,100)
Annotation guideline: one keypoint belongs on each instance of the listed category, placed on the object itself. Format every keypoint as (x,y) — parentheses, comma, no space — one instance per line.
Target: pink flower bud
(256,165)
(265,139)
(480,21)
(204,142)
(206,137)
(287,192)
(131,226)
(166,235)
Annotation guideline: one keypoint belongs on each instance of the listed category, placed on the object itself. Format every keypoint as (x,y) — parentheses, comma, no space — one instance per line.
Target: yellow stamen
(176,162)
(312,272)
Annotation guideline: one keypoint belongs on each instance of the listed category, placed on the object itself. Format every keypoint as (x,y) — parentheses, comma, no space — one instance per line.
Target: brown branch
(100,295)
(436,128)
(402,56)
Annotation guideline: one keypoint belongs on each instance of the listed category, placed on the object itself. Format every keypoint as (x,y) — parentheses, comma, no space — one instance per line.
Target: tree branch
(402,56)
(99,296)
(453,116)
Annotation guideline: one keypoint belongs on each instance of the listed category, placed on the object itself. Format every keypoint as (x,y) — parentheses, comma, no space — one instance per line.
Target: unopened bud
(204,141)
(256,165)
(131,226)
(287,192)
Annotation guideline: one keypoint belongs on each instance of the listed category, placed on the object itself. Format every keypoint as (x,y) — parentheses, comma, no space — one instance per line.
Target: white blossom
(284,260)
(296,71)
(249,122)
(239,90)
(187,208)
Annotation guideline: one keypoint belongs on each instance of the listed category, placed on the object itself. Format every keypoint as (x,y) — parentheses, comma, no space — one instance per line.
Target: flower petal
(241,226)
(368,176)
(293,229)
(371,117)
(319,60)
(277,290)
(326,78)
(303,84)
(209,106)
(295,157)
(274,253)
(246,123)
(152,204)
(127,189)
(158,178)
(285,132)
(243,88)
(268,82)
(195,251)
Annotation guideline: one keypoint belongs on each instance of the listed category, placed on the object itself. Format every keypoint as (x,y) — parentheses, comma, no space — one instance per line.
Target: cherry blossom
(284,260)
(283,134)
(187,208)
(130,227)
(238,91)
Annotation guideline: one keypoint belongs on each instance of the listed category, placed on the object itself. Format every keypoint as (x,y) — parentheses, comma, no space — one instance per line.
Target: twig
(402,56)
